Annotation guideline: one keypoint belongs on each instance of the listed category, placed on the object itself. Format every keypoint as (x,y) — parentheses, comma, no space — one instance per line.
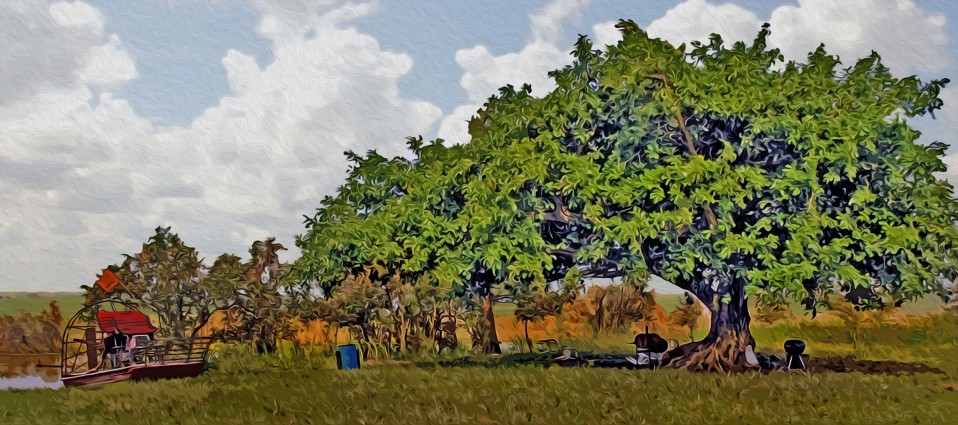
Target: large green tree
(725,169)
(733,173)
(431,219)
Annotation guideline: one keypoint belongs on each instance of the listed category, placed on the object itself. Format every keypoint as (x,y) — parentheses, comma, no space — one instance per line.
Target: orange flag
(107,280)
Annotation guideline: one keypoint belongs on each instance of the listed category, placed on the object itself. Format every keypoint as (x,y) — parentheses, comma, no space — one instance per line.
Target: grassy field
(305,388)
(14,303)
(254,393)
(244,388)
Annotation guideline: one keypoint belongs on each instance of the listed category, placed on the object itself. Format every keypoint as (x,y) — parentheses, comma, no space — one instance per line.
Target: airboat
(113,341)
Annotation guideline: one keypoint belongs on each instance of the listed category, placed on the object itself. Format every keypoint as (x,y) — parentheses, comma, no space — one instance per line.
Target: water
(21,371)
(28,382)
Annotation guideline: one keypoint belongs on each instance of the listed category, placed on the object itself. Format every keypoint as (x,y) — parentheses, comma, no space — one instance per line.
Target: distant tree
(537,305)
(357,303)
(260,313)
(32,333)
(167,276)
(618,307)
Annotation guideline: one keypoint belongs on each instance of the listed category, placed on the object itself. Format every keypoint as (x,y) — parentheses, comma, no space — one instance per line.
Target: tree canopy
(725,169)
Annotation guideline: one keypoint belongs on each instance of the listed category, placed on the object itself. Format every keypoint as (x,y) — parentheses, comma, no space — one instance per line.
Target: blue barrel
(347,357)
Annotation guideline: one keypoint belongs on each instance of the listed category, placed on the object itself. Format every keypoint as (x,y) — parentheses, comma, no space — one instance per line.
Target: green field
(15,303)
(254,392)
(243,388)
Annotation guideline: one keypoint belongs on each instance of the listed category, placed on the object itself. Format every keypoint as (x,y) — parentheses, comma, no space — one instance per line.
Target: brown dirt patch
(848,364)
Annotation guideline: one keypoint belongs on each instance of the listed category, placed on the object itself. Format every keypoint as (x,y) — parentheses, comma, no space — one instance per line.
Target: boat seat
(139,341)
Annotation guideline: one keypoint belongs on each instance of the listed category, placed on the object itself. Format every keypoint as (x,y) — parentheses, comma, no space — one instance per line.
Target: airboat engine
(125,331)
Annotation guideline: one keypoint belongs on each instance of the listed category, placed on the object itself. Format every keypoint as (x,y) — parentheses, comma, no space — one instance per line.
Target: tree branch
(709,214)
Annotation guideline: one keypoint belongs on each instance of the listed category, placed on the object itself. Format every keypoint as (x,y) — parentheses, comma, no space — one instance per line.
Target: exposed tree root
(713,354)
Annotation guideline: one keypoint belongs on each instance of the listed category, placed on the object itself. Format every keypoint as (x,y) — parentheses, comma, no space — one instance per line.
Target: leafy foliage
(260,313)
(169,278)
(166,276)
(724,169)
(537,305)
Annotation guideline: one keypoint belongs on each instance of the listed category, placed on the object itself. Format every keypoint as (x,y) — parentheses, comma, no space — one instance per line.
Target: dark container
(794,349)
(347,357)
(650,343)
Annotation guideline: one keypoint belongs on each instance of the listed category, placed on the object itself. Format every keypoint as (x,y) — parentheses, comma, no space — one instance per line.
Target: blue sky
(179,44)
(227,119)
(178,47)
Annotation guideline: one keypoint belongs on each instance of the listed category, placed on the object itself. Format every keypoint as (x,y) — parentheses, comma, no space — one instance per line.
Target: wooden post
(91,352)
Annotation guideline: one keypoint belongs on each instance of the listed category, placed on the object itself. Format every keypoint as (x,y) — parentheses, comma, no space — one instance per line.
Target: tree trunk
(489,343)
(723,349)
(599,319)
(402,335)
(265,344)
(434,320)
(528,340)
(365,345)
(332,335)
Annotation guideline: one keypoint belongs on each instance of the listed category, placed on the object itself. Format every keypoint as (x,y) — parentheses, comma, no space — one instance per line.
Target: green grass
(246,389)
(15,303)
(304,388)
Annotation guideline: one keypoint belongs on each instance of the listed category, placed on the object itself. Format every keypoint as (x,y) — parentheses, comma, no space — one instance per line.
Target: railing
(162,351)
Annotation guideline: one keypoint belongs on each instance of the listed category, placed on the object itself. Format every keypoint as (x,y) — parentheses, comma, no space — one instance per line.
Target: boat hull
(136,373)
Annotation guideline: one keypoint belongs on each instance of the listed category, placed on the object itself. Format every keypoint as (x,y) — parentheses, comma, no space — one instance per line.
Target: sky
(228,119)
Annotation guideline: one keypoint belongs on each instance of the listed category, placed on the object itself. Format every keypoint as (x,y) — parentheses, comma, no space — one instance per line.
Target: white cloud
(109,64)
(943,129)
(944,126)
(484,73)
(77,14)
(323,94)
(692,20)
(43,44)
(908,39)
(698,19)
(951,161)
(605,34)
(84,179)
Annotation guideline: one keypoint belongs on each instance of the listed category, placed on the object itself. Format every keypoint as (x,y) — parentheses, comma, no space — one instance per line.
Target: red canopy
(127,322)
